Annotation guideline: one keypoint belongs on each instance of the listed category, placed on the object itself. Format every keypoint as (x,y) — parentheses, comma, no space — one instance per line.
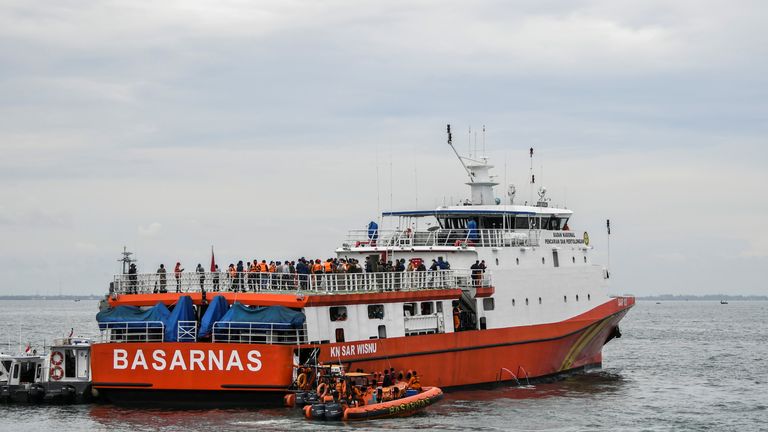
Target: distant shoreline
(50,297)
(709,297)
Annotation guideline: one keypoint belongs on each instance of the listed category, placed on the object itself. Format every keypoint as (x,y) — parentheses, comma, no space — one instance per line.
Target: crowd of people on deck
(258,275)
(359,388)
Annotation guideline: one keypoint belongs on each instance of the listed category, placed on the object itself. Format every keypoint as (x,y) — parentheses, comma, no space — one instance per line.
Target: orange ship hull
(223,373)
(488,356)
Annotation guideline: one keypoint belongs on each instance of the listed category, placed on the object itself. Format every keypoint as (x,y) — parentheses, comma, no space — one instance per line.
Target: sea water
(680,366)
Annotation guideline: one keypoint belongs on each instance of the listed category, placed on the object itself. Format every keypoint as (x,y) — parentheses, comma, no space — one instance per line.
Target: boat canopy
(274,317)
(182,311)
(152,317)
(216,310)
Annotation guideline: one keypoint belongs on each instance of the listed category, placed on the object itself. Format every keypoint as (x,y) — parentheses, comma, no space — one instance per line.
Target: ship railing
(255,332)
(444,237)
(186,331)
(147,283)
(132,331)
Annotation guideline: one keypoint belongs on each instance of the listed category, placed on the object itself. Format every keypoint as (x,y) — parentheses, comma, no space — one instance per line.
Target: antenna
(126,259)
(484,141)
(461,161)
(531,177)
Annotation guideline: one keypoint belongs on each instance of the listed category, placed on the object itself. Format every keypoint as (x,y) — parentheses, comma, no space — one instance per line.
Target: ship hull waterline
(451,361)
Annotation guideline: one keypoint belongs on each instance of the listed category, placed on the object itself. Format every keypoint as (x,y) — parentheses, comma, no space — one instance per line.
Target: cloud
(151,230)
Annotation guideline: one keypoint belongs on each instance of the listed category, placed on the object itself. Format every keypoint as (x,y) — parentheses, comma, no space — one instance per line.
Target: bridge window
(338,313)
(376,311)
(492,222)
(488,304)
(339,335)
(521,222)
(440,307)
(427,308)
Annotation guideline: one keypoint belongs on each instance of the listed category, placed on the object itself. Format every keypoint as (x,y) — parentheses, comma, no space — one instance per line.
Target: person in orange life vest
(177,274)
(264,276)
(456,317)
(232,275)
(253,268)
(414,382)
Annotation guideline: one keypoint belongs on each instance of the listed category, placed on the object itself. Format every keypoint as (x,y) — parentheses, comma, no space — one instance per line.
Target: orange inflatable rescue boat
(402,407)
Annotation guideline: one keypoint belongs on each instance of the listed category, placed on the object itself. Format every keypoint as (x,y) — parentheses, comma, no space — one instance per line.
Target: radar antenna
(126,259)
(461,161)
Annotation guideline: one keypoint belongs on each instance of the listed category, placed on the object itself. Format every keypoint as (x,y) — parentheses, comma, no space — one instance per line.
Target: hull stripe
(479,347)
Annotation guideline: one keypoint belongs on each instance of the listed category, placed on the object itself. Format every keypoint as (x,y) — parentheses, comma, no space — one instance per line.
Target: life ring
(56,358)
(57,373)
(301,381)
(324,390)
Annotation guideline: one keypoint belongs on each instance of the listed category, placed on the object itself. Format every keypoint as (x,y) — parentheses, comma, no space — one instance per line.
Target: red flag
(27,349)
(213,261)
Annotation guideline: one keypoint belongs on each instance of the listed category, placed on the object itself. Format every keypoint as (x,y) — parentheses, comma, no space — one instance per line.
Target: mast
(126,259)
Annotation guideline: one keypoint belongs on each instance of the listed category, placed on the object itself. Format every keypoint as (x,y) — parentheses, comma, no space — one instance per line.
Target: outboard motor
(333,411)
(311,398)
(318,411)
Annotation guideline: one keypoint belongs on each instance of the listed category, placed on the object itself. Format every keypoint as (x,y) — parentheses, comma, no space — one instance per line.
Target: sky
(268,129)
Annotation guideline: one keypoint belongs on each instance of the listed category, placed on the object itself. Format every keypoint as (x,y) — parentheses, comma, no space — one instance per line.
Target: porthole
(542,260)
(513,302)
(585,259)
(517,260)
(539,300)
(497,261)
(526,301)
(565,299)
(573,259)
(577,297)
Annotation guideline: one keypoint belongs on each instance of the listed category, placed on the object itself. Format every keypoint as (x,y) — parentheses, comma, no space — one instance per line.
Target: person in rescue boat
(162,280)
(414,382)
(177,274)
(387,381)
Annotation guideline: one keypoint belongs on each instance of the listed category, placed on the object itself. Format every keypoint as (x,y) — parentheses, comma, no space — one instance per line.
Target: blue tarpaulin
(133,314)
(216,310)
(183,311)
(277,317)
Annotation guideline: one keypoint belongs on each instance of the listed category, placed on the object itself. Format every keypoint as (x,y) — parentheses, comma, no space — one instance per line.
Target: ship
(489,291)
